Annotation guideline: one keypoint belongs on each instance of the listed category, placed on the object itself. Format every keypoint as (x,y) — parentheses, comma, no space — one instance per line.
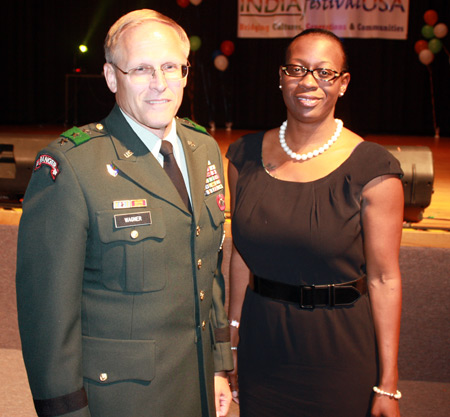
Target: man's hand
(222,394)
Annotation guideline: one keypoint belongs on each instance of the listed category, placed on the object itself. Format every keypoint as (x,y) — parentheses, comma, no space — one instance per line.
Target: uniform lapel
(136,162)
(197,163)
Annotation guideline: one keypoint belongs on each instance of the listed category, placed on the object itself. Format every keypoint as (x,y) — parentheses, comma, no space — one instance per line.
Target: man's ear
(110,77)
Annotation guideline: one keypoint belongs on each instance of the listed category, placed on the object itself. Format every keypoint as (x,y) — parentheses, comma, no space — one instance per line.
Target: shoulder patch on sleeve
(76,135)
(194,125)
(47,160)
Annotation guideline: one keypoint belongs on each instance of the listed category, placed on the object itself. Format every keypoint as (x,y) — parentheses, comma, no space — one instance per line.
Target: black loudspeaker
(17,156)
(418,179)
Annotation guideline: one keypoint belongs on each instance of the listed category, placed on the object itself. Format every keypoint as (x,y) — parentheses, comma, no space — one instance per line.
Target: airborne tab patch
(76,135)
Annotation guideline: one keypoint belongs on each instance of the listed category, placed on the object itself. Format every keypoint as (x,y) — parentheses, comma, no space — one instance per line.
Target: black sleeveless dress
(295,362)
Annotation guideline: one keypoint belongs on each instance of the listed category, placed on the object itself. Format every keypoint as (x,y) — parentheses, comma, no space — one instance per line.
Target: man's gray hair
(134,19)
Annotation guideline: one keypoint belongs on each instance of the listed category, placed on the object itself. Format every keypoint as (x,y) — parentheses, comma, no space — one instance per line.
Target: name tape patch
(132,219)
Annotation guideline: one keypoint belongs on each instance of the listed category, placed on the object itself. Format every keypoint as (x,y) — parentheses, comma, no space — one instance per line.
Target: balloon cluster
(221,56)
(185,3)
(433,32)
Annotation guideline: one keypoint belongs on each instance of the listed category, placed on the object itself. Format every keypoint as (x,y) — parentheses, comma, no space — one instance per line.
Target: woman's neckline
(273,177)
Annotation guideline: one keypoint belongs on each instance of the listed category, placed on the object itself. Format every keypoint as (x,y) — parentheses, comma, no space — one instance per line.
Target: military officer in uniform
(119,288)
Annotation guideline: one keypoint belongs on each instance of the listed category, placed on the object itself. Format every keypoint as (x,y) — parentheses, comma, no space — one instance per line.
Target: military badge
(121,204)
(49,161)
(213,182)
(221,202)
(76,135)
(196,126)
(112,170)
(128,154)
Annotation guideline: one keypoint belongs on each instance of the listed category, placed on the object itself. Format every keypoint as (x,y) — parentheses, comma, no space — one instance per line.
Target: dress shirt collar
(153,142)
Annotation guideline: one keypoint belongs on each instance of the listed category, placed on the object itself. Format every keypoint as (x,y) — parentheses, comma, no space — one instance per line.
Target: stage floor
(433,230)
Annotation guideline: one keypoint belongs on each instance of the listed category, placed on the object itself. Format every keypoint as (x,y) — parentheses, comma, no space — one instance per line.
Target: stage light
(83,48)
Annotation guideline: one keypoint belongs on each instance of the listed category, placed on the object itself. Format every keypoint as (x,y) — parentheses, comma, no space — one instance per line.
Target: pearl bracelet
(234,323)
(233,347)
(395,396)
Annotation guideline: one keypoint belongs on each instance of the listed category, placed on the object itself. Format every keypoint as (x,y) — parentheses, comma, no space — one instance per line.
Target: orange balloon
(440,30)
(430,17)
(221,62)
(420,46)
(426,57)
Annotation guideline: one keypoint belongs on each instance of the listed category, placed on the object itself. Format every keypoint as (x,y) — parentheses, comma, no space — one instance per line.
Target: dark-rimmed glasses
(320,74)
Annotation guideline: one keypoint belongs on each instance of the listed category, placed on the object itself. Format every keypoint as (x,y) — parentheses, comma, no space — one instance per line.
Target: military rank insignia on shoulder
(76,135)
(81,135)
(189,123)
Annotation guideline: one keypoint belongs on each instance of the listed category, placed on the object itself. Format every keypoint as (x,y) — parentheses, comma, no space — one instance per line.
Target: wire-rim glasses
(143,74)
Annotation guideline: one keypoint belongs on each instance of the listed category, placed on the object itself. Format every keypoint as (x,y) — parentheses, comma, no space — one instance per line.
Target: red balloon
(420,46)
(183,3)
(227,47)
(430,17)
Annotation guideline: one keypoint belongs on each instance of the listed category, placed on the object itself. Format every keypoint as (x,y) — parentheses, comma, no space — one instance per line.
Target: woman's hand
(383,406)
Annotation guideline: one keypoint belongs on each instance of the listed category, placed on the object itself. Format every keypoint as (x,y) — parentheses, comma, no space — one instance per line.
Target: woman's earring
(280,87)
(341,94)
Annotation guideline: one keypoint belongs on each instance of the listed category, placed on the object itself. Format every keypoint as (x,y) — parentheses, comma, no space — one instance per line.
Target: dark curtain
(389,90)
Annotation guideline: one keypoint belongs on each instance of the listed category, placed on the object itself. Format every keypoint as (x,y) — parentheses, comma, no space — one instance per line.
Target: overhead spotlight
(83,48)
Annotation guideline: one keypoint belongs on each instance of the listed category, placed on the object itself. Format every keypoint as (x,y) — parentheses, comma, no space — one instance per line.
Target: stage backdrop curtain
(389,90)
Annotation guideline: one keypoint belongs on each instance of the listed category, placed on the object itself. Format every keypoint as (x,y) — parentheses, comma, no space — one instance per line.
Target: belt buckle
(311,288)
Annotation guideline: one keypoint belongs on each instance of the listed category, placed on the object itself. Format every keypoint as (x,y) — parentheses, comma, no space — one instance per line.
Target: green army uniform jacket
(119,289)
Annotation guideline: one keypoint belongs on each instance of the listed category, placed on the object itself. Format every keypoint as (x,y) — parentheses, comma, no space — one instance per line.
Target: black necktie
(173,171)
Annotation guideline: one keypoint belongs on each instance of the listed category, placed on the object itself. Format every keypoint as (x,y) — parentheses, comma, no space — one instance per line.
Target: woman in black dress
(315,281)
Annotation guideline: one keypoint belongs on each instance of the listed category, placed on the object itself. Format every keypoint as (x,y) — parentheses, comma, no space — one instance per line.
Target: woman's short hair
(134,19)
(322,32)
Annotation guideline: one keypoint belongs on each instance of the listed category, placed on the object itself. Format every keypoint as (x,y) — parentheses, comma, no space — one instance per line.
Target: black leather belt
(310,296)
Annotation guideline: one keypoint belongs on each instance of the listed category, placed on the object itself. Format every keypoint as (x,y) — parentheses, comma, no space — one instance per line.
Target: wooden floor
(433,230)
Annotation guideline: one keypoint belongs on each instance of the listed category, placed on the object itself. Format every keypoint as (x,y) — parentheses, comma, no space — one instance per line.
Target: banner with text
(385,19)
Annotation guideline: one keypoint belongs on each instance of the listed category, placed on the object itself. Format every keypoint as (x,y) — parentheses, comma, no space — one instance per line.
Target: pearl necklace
(312,154)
